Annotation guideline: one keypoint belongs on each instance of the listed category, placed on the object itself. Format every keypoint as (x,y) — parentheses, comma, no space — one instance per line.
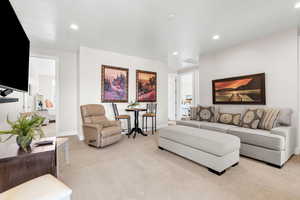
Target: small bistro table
(136,129)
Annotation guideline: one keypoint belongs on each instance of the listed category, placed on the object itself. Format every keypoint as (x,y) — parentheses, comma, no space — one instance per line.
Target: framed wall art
(248,89)
(114,84)
(146,86)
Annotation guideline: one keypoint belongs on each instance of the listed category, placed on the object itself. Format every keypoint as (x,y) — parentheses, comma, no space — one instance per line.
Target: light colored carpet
(138,170)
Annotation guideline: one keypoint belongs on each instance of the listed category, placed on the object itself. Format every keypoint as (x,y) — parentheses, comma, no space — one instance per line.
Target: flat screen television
(15,47)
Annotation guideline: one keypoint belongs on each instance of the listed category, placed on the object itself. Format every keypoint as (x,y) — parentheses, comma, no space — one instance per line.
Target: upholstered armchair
(97,129)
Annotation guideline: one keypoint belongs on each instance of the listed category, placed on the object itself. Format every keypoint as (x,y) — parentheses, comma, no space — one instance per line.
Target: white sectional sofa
(274,147)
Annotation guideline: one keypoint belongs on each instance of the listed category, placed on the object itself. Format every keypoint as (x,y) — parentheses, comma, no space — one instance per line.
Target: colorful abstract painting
(248,89)
(146,86)
(114,84)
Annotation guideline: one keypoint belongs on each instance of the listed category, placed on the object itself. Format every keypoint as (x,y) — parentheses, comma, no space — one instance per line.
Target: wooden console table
(17,166)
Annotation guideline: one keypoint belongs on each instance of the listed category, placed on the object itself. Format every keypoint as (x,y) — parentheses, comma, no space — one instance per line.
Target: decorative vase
(20,139)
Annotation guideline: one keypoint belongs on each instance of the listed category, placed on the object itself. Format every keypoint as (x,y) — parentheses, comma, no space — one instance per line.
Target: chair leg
(128,125)
(143,124)
(146,123)
(155,123)
(152,125)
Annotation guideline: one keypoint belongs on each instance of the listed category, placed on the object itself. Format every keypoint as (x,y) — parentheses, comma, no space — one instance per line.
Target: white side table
(62,149)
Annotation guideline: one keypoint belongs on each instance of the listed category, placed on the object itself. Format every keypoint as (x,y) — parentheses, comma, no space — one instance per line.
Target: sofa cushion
(190,123)
(252,118)
(230,118)
(269,118)
(285,117)
(215,126)
(215,143)
(194,113)
(206,113)
(230,109)
(257,137)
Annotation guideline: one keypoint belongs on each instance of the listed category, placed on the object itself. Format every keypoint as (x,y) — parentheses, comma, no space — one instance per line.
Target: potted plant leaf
(133,104)
(26,129)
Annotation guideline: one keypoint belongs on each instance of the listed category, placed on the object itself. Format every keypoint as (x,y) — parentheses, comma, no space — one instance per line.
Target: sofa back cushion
(269,118)
(252,118)
(285,117)
(230,118)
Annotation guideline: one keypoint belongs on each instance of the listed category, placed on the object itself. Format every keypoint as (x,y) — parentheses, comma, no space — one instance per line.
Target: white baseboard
(162,126)
(297,151)
(67,133)
(80,137)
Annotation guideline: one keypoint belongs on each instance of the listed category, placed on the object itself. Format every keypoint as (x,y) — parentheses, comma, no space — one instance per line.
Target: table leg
(136,130)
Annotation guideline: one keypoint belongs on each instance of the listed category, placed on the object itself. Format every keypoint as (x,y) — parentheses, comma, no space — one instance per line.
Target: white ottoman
(45,187)
(217,151)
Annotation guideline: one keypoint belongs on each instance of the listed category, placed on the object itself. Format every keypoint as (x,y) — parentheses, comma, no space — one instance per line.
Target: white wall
(276,55)
(89,74)
(67,91)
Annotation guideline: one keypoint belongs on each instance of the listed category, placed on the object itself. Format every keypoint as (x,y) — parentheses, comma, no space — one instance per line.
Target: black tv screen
(15,52)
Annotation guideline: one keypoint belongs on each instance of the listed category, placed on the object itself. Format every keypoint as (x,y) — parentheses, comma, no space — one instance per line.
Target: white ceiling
(142,28)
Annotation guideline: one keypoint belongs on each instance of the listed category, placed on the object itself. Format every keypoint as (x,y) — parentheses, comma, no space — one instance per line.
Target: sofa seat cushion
(190,123)
(216,126)
(215,143)
(110,131)
(257,137)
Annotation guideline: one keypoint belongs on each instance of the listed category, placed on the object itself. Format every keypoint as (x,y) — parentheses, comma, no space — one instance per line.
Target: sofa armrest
(290,135)
(285,131)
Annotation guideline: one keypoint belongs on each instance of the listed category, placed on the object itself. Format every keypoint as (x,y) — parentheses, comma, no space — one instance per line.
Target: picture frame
(114,84)
(249,89)
(146,86)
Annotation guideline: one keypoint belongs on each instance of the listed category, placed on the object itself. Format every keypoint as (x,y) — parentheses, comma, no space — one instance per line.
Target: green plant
(133,104)
(26,129)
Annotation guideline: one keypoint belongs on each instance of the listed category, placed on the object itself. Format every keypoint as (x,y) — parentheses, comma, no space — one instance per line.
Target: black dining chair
(150,113)
(120,117)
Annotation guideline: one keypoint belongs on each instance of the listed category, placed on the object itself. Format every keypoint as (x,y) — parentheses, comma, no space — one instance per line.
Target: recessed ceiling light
(171,16)
(216,37)
(175,53)
(297,5)
(74,27)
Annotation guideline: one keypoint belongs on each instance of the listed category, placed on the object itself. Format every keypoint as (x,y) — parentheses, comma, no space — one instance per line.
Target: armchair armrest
(114,123)
(97,127)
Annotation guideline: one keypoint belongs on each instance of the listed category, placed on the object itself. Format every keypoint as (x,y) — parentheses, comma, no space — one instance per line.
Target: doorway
(185,94)
(43,89)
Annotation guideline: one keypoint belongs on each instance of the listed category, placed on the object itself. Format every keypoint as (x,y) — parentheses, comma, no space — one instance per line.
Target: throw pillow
(206,114)
(269,119)
(194,113)
(230,118)
(252,118)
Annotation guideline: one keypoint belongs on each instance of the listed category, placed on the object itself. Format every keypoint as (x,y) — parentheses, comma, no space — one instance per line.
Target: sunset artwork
(146,83)
(114,84)
(240,90)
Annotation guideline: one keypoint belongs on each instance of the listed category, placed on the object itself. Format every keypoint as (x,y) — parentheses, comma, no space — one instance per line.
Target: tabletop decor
(133,104)
(146,86)
(114,84)
(248,89)
(25,128)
